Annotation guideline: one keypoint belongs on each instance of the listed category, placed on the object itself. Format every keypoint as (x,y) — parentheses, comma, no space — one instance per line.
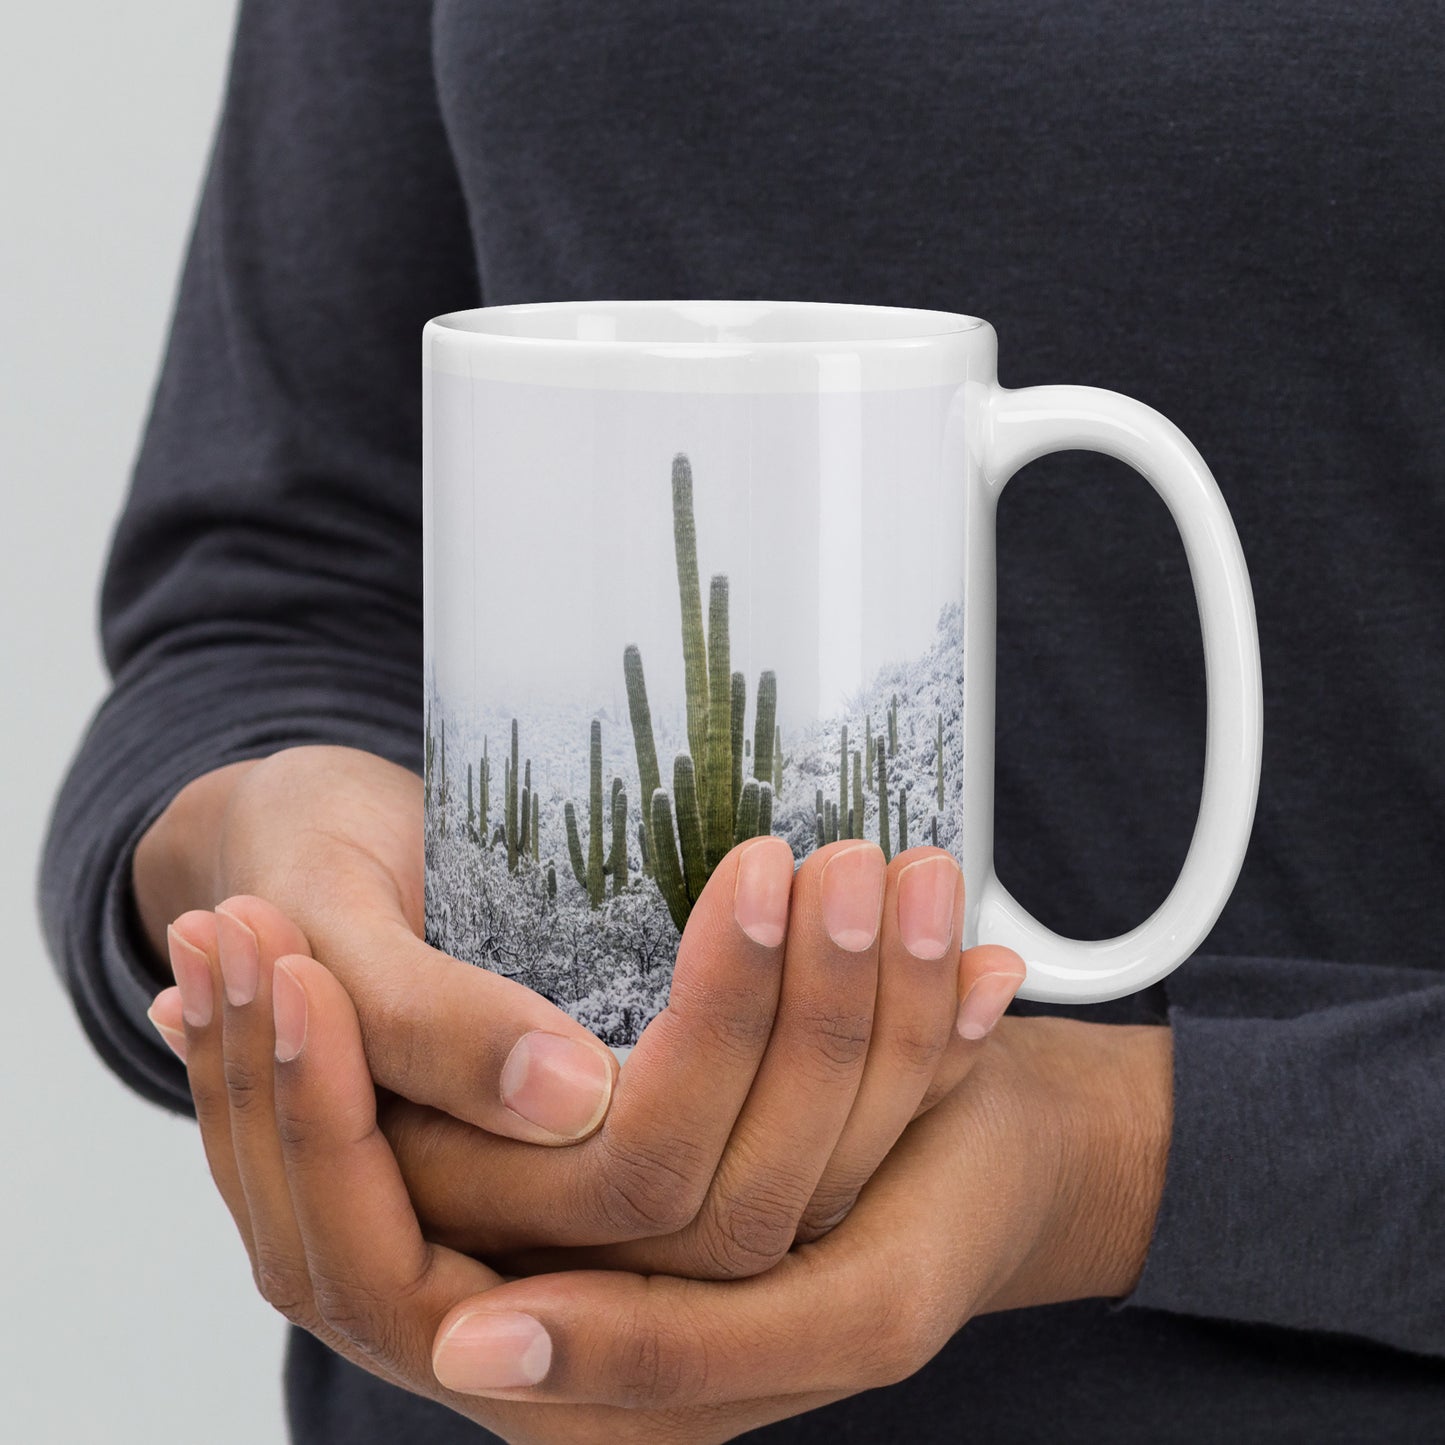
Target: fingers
(805,1087)
(370,1276)
(195,962)
(648,1168)
(251,934)
(913,1020)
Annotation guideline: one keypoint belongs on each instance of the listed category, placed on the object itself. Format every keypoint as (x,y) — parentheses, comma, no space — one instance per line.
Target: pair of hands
(753,1113)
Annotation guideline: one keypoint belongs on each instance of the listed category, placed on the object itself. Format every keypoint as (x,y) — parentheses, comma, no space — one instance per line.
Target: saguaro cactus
(617,864)
(512,808)
(589,868)
(765,732)
(695,871)
(594,830)
(868,751)
(708,780)
(718,800)
(893,727)
(471,812)
(843,781)
(903,820)
(737,714)
(669,868)
(857,810)
(883,832)
(524,826)
(641,715)
(694,646)
(485,811)
(747,819)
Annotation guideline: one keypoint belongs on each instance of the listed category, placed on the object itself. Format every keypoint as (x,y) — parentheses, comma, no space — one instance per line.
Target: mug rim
(871,327)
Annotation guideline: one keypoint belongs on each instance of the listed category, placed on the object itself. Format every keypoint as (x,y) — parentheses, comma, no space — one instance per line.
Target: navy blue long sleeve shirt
(1232,213)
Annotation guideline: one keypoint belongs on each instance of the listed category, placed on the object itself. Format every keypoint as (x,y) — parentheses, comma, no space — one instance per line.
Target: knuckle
(736,1021)
(286,1288)
(358,1315)
(657,1367)
(213,1110)
(906,1332)
(918,1045)
(386,1015)
(835,1041)
(648,1188)
(247,1089)
(746,1236)
(293,1129)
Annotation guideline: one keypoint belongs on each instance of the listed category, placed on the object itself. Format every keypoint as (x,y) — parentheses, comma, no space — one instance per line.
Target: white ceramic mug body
(727,567)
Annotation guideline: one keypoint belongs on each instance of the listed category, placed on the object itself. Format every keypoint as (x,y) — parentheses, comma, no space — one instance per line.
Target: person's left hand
(1036,1182)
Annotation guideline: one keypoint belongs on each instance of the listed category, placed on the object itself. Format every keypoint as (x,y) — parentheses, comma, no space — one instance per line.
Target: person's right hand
(332,838)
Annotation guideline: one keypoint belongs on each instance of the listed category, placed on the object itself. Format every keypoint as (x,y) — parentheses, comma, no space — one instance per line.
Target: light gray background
(128,1308)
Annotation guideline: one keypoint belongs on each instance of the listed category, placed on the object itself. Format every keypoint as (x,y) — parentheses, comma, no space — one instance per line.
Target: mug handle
(1022,424)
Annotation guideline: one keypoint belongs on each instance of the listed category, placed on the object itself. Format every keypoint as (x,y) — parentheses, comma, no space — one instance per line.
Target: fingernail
(926,893)
(173,1036)
(984,1004)
(852,888)
(559,1084)
(192,970)
(760,894)
(488,1351)
(240,958)
(288,1008)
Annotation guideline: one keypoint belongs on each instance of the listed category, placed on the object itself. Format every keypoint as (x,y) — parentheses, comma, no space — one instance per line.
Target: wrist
(1106,1091)
(176,864)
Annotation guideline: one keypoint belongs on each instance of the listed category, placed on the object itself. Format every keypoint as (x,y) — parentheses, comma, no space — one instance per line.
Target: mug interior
(708,322)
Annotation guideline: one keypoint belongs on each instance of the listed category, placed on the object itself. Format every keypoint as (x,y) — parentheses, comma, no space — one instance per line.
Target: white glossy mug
(697,570)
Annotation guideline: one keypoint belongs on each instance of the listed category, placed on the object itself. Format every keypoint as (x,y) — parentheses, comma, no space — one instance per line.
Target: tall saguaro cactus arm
(665,859)
(618,862)
(641,714)
(574,846)
(765,728)
(594,821)
(717,775)
(738,715)
(512,804)
(765,810)
(883,829)
(689,593)
(689,827)
(747,819)
(857,793)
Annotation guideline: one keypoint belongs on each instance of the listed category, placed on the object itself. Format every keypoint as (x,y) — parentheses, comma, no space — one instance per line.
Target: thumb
(442,1032)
